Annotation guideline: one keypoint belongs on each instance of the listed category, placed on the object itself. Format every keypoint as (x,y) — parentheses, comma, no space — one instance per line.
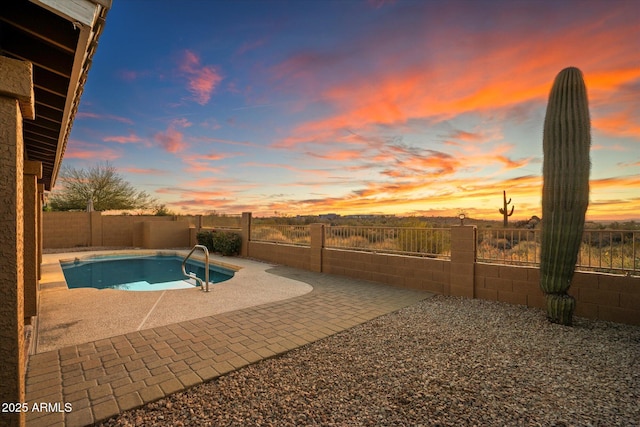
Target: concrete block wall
(121,231)
(598,295)
(77,229)
(508,283)
(66,230)
(162,235)
(290,255)
(607,297)
(426,274)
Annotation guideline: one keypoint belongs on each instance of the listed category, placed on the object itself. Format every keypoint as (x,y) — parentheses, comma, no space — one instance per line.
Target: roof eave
(89,16)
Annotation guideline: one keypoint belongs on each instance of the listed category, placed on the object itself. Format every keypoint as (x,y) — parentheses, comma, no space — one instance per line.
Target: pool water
(147,273)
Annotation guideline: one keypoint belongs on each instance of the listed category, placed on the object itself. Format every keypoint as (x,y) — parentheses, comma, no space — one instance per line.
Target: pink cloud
(227,142)
(130,75)
(201,80)
(201,163)
(87,115)
(171,140)
(85,150)
(131,138)
(338,155)
(150,171)
(249,46)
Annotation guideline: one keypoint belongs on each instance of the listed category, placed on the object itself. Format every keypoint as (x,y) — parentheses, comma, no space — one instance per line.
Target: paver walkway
(99,379)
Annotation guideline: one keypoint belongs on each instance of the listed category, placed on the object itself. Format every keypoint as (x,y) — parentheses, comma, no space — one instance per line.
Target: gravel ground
(446,361)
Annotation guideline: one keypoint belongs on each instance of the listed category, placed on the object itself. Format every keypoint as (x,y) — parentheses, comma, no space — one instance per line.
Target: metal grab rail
(206,267)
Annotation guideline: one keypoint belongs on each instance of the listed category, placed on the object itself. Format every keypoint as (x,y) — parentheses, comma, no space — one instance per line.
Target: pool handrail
(206,269)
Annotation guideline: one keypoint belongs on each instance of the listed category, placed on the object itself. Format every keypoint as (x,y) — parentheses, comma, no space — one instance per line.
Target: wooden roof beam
(38,22)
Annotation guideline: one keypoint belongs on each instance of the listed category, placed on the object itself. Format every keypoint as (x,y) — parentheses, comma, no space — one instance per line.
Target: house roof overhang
(59,37)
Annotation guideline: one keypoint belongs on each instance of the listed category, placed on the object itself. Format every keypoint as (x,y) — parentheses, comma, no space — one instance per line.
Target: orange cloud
(620,124)
(338,155)
(200,163)
(287,167)
(451,196)
(202,80)
(492,74)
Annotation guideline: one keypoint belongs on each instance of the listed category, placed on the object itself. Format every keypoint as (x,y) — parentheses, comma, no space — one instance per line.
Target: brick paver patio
(99,379)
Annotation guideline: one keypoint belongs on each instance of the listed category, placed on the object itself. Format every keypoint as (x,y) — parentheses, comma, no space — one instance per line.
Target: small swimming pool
(138,273)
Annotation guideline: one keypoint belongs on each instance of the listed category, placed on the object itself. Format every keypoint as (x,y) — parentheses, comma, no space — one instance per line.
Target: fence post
(317,244)
(463,259)
(245,224)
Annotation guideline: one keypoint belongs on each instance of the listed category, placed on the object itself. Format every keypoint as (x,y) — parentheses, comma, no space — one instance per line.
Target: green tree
(162,210)
(102,185)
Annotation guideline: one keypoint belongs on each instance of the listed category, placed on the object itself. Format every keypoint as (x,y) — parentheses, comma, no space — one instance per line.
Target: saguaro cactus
(565,191)
(503,210)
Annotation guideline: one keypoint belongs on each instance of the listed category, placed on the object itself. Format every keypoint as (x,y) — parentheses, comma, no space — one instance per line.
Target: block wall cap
(17,82)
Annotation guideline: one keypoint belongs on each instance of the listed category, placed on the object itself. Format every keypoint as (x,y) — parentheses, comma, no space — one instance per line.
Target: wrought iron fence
(288,234)
(611,251)
(428,242)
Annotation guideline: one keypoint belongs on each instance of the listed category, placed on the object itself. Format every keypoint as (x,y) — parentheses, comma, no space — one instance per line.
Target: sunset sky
(357,106)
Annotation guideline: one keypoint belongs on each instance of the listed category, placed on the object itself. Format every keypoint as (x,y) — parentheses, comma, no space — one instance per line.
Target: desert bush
(205,238)
(223,242)
(227,243)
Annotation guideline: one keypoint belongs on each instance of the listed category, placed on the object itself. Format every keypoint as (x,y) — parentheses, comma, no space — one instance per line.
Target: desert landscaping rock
(445,361)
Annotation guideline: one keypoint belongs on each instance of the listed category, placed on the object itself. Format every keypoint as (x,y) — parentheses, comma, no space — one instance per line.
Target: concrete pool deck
(75,316)
(103,376)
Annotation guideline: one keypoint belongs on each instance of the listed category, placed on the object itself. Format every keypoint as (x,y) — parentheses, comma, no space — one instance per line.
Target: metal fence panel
(611,251)
(276,233)
(429,242)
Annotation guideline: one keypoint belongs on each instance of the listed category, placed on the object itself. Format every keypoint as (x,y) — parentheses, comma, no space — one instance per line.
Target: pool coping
(165,252)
